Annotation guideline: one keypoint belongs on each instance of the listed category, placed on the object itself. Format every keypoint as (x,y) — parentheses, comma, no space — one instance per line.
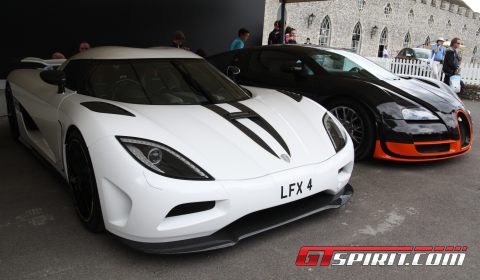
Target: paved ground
(395,204)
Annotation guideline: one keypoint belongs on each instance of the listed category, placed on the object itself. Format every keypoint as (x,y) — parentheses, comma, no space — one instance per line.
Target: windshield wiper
(191,81)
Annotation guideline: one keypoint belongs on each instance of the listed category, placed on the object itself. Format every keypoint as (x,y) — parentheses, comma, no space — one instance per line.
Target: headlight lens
(418,114)
(162,159)
(335,131)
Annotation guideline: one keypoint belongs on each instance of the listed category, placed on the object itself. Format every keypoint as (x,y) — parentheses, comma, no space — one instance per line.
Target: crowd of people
(446,60)
(275,37)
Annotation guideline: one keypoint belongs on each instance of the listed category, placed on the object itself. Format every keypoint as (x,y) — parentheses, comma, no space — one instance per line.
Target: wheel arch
(375,115)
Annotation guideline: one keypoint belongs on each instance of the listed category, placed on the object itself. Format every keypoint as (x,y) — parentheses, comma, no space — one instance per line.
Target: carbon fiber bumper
(249,225)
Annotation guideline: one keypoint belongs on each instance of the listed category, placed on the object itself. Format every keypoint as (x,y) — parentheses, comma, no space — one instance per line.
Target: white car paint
(136,200)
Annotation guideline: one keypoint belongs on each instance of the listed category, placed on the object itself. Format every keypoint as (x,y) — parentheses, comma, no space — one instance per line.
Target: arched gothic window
(433,3)
(361,5)
(406,41)
(427,41)
(464,29)
(325,32)
(474,54)
(430,21)
(388,10)
(411,15)
(383,37)
(478,33)
(357,31)
(449,25)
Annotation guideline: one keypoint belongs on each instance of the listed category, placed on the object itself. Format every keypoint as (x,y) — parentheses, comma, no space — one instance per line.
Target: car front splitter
(249,225)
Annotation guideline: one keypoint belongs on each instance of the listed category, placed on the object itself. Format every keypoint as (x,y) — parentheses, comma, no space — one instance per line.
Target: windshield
(161,82)
(350,65)
(422,53)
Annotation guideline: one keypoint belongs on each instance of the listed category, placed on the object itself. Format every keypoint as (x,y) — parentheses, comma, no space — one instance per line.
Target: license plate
(296,188)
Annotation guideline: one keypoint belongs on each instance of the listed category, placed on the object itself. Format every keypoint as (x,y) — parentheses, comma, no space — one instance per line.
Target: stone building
(369,25)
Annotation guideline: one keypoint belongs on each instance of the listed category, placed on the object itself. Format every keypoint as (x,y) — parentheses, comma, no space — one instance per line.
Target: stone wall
(344,15)
(471,92)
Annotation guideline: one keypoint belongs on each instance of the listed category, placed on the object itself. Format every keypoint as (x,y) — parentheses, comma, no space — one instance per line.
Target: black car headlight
(162,159)
(335,131)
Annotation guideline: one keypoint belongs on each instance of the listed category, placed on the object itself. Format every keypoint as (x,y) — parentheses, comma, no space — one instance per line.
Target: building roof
(460,3)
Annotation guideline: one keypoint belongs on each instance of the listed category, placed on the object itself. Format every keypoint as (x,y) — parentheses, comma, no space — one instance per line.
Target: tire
(12,113)
(81,178)
(359,124)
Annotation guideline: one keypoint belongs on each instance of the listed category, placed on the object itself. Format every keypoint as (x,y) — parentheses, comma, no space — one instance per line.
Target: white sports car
(171,156)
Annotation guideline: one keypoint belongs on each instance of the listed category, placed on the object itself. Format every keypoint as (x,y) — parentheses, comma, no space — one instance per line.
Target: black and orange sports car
(388,117)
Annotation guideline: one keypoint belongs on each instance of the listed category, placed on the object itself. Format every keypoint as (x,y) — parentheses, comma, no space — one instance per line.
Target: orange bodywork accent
(409,150)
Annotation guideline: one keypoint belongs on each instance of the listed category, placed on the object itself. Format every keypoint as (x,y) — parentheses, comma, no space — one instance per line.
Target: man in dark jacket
(274,37)
(450,64)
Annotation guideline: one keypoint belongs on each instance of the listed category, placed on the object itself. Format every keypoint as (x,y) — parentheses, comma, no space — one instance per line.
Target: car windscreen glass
(419,53)
(161,82)
(350,65)
(74,72)
(271,62)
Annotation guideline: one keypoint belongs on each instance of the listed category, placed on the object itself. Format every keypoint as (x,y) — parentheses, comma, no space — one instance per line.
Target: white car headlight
(418,114)
(335,131)
(162,159)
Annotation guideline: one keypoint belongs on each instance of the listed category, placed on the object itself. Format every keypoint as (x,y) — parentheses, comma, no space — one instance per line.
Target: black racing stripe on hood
(259,120)
(224,113)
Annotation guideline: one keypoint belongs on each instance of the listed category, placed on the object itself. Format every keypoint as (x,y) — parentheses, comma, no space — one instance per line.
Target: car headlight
(162,159)
(418,114)
(335,131)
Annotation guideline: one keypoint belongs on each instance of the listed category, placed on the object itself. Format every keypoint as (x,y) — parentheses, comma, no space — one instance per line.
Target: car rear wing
(46,62)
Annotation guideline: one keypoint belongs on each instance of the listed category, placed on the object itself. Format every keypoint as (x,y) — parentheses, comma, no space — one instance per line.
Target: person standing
(438,53)
(450,64)
(293,36)
(178,39)
(385,52)
(274,37)
(238,43)
(83,46)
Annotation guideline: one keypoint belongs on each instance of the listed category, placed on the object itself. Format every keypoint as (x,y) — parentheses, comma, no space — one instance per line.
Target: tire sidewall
(95,223)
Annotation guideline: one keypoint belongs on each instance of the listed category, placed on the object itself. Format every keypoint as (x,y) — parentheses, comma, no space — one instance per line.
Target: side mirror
(54,77)
(232,71)
(291,67)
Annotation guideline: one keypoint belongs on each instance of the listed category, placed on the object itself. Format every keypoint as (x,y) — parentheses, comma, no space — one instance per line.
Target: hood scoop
(106,108)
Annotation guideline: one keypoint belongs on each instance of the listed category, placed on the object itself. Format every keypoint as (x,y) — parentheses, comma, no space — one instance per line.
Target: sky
(473,4)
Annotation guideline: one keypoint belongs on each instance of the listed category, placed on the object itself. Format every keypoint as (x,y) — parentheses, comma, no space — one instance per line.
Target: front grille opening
(464,129)
(430,149)
(430,137)
(189,208)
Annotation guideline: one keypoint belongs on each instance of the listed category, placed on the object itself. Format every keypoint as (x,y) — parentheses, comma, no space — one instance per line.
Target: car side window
(270,62)
(409,53)
(402,53)
(74,71)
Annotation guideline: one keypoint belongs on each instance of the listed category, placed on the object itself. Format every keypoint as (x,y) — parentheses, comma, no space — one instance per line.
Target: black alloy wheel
(12,113)
(358,123)
(81,179)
